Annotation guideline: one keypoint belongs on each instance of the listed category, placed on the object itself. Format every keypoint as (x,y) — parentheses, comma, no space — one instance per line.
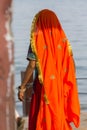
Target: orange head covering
(56,72)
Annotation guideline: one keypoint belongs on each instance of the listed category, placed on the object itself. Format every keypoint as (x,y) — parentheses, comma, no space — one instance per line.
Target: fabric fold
(59,102)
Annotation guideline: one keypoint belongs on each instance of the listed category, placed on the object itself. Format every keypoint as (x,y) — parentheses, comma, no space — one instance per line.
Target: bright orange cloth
(59,105)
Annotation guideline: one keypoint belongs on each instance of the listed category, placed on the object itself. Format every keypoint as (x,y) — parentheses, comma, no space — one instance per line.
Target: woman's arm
(28,73)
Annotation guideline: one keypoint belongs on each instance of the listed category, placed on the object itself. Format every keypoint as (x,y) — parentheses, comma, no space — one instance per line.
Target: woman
(55,102)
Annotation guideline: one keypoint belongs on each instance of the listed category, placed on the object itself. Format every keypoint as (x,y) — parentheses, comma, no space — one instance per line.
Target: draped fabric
(59,102)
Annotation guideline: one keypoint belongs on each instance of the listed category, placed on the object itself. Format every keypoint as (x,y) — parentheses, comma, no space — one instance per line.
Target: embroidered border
(32,42)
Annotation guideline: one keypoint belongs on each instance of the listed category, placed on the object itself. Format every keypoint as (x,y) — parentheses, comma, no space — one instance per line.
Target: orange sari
(59,103)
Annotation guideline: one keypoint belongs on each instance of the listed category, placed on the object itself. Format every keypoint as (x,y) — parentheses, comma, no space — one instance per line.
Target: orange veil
(59,105)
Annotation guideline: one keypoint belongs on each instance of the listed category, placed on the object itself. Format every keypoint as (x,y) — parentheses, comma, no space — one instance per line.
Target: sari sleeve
(30,54)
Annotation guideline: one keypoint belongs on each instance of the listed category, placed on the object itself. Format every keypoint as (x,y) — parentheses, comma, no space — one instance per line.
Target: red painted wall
(7,118)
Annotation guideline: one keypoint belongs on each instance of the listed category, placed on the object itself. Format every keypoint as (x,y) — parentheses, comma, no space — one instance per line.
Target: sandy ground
(83,123)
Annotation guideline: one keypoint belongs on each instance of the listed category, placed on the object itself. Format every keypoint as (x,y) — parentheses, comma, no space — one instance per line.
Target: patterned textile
(58,103)
(30,54)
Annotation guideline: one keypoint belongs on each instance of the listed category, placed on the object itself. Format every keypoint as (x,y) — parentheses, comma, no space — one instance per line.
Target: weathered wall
(7,118)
